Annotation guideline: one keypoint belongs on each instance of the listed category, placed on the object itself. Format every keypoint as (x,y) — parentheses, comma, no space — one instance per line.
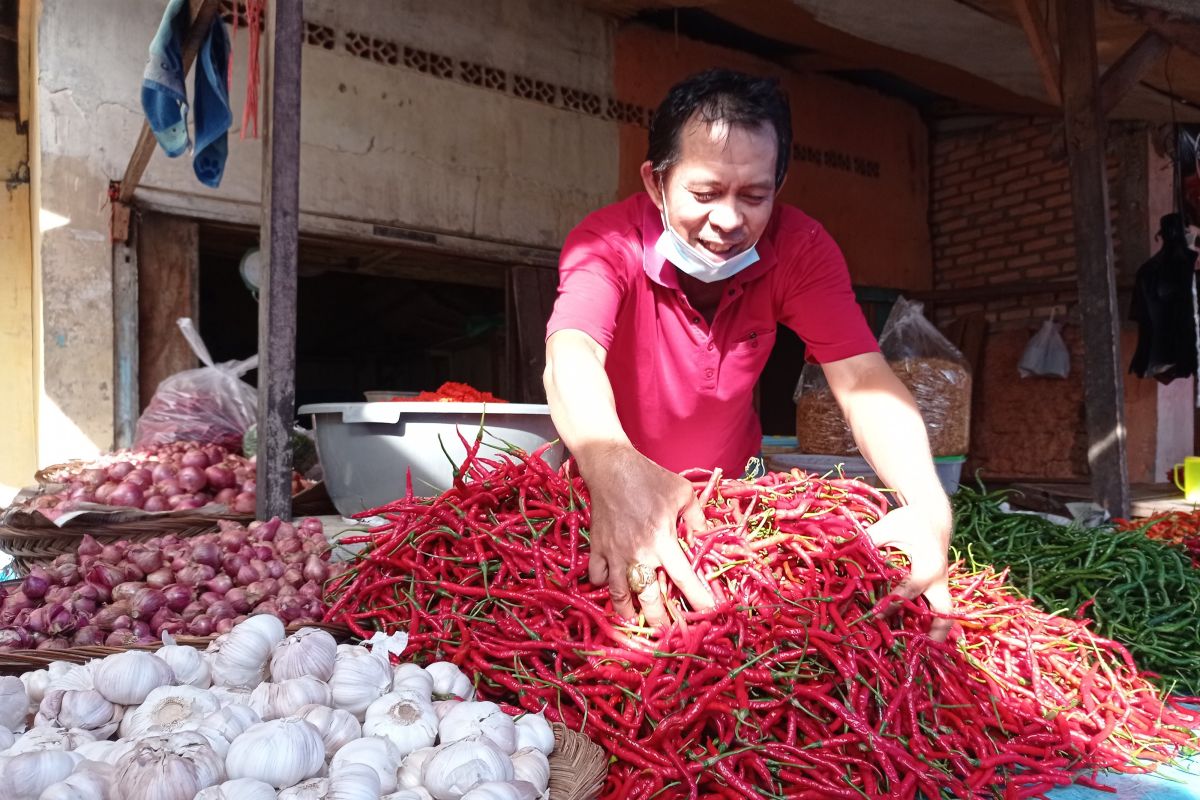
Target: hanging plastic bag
(211,404)
(1046,354)
(924,360)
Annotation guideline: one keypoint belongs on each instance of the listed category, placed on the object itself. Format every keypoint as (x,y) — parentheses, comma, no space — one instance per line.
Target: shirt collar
(666,274)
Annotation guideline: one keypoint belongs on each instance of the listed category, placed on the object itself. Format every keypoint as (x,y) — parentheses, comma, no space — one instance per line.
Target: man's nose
(726,216)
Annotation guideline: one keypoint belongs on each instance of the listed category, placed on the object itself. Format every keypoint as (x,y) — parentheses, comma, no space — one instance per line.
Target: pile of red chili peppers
(796,686)
(1180,528)
(451,392)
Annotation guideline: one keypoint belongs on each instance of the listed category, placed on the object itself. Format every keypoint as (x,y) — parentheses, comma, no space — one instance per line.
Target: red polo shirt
(683,389)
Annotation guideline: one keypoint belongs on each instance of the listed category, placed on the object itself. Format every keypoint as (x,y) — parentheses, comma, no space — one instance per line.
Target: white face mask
(675,249)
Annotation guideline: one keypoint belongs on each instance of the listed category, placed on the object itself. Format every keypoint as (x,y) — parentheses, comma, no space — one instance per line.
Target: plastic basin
(367,449)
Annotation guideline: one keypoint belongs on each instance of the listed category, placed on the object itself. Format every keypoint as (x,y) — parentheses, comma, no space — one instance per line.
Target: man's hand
(636,508)
(921,532)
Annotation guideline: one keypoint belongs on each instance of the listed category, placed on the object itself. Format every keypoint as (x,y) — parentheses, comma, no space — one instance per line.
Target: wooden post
(1104,394)
(279,240)
(126,395)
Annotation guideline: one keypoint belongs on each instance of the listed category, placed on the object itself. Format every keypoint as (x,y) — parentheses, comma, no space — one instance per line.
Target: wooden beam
(26,30)
(1175,31)
(126,353)
(1041,45)
(1127,70)
(1084,128)
(280,241)
(203,13)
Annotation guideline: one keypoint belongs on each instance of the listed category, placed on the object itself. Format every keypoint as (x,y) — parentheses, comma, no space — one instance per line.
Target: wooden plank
(25,73)
(167,288)
(1176,32)
(1030,16)
(126,392)
(1127,70)
(534,291)
(203,13)
(1084,129)
(280,238)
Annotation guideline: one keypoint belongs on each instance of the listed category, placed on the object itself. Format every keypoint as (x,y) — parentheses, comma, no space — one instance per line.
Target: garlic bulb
(312,789)
(35,685)
(502,790)
(534,731)
(241,661)
(337,727)
(128,678)
(359,679)
(482,718)
(7,738)
(26,775)
(415,793)
(188,664)
(403,719)
(281,752)
(216,740)
(238,789)
(168,709)
(460,766)
(412,768)
(309,652)
(168,767)
(442,707)
(227,697)
(411,676)
(532,766)
(449,681)
(44,737)
(85,709)
(14,704)
(353,782)
(231,721)
(284,699)
(90,781)
(103,751)
(64,675)
(377,753)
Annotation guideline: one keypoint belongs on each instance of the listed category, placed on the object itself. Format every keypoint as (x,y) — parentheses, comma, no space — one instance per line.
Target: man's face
(720,192)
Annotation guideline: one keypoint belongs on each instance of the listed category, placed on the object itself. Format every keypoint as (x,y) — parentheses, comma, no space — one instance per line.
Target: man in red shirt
(666,313)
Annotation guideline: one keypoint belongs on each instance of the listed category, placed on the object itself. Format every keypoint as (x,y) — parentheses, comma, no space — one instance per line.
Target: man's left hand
(922,532)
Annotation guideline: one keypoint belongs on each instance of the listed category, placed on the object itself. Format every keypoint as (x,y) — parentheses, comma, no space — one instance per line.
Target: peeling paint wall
(383,140)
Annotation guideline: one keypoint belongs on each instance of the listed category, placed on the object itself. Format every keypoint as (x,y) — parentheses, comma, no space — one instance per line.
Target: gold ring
(640,577)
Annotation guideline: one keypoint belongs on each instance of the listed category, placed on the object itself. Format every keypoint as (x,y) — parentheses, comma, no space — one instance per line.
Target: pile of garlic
(261,715)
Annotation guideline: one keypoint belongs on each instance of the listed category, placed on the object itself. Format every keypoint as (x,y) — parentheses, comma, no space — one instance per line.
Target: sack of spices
(924,360)
(210,404)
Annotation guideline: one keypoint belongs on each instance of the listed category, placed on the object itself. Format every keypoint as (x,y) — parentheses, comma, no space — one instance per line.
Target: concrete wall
(417,113)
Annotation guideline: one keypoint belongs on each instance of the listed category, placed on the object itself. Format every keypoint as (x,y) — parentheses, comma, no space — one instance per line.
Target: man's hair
(721,95)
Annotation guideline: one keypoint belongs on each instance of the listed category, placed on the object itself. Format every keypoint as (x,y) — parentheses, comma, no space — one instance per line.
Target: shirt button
(708,373)
(695,320)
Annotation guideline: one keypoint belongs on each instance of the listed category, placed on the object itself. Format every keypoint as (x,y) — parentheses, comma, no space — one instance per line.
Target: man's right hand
(636,508)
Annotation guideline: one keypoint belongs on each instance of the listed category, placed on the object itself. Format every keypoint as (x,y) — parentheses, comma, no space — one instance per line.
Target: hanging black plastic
(1164,307)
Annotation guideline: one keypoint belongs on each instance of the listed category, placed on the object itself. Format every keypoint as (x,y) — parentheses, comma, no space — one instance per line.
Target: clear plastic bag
(1046,354)
(211,404)
(924,360)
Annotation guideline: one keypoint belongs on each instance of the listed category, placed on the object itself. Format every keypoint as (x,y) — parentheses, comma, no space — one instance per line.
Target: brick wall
(1003,244)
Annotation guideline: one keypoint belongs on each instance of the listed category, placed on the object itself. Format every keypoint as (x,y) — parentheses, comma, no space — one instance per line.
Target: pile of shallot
(125,592)
(261,715)
(176,476)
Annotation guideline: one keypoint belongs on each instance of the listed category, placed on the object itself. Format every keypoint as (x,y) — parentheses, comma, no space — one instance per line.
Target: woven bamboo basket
(578,766)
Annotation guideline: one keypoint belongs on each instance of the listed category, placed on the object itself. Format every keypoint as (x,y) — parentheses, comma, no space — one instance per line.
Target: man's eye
(755,198)
(705,197)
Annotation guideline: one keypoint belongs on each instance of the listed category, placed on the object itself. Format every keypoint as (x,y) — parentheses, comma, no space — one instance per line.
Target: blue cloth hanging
(164,93)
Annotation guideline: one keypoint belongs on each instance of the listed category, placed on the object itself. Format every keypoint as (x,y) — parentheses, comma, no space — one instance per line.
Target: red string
(254,15)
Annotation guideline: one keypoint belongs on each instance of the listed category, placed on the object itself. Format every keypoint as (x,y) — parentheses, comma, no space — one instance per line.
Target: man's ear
(651,182)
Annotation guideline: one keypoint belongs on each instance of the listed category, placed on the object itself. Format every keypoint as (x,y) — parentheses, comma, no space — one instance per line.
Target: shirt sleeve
(818,302)
(591,285)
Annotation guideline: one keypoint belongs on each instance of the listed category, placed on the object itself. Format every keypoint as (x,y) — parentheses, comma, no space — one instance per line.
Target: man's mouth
(718,249)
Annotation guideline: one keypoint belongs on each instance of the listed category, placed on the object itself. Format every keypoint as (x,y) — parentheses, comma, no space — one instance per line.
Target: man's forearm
(581,398)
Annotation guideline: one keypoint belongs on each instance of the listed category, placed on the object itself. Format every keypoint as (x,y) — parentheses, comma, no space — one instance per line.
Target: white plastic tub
(366,449)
